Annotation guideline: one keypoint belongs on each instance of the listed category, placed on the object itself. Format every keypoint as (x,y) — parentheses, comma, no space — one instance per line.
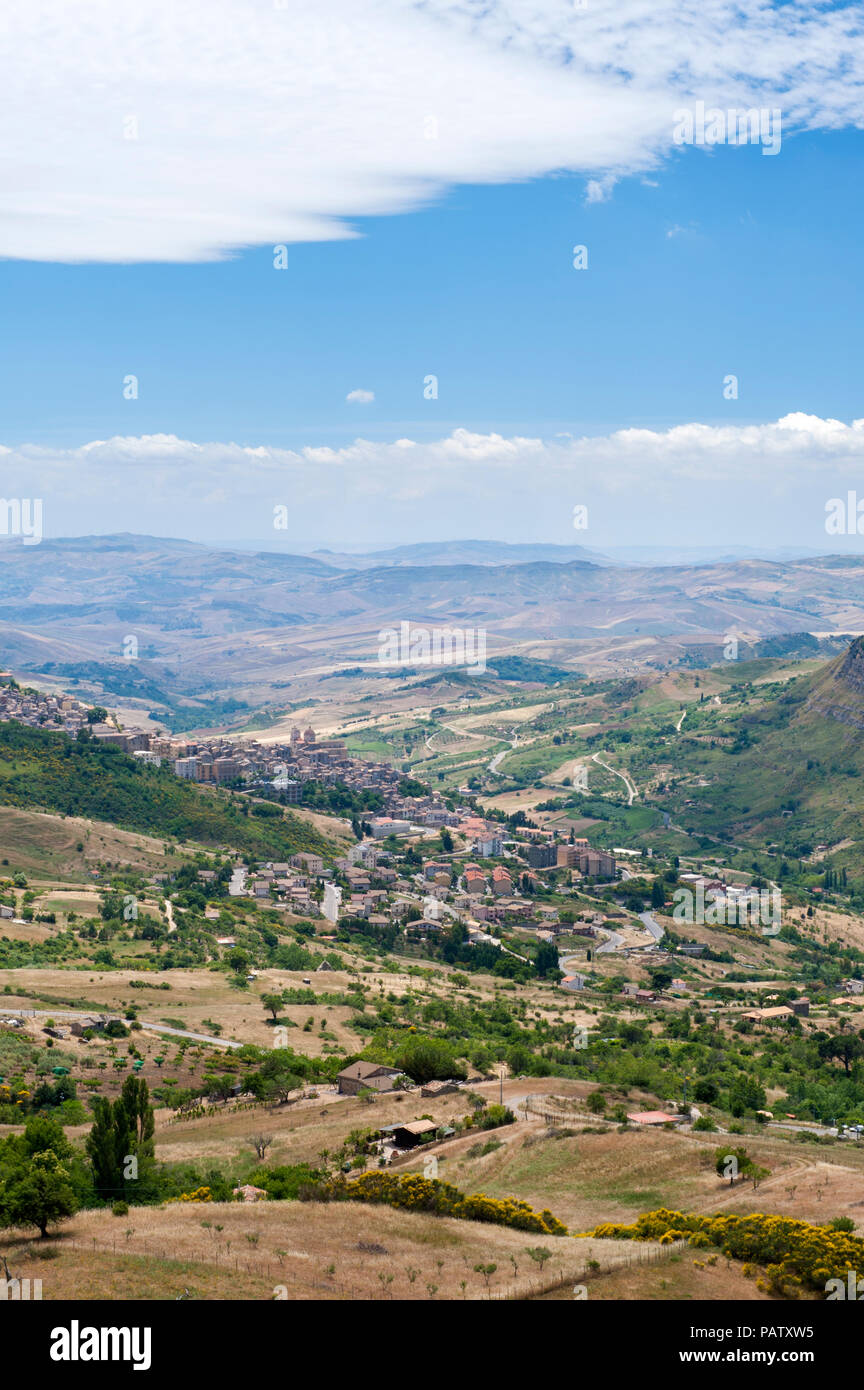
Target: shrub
(411,1192)
(796,1254)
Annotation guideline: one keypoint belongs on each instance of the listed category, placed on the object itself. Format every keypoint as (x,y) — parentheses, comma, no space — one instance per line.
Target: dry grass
(612,1176)
(311,1251)
(683,1277)
(38,843)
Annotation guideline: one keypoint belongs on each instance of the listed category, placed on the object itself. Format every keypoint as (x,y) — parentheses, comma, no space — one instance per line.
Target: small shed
(408,1136)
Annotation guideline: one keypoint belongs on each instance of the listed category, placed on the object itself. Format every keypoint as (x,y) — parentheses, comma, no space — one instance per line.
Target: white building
(330,905)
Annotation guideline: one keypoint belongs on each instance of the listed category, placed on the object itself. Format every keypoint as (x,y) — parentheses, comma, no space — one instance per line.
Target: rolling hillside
(785,770)
(51,772)
(216,626)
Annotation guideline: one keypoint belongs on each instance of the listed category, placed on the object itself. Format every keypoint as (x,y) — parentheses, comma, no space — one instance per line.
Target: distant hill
(213,626)
(51,772)
(462,553)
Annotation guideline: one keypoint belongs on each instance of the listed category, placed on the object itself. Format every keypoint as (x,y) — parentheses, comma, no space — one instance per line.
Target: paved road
(153,1027)
(652,925)
(498,759)
(515,742)
(632,790)
(195,1037)
(564,964)
(237,883)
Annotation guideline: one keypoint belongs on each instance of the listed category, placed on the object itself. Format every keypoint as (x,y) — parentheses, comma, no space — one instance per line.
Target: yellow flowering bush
(796,1253)
(699,1240)
(411,1192)
(201,1194)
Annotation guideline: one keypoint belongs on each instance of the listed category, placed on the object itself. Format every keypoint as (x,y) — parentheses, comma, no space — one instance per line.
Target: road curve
(632,790)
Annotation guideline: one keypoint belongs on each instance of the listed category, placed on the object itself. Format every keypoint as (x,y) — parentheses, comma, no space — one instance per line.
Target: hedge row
(411,1192)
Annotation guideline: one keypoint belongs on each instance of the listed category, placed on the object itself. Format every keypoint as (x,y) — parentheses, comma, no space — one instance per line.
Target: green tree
(661,978)
(428,1059)
(279,1074)
(745,1094)
(121,1146)
(238,960)
(705,1091)
(846,1047)
(272,1003)
(732,1163)
(546,961)
(41,1196)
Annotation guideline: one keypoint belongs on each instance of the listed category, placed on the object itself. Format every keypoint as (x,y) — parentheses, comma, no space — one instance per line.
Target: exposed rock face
(841,695)
(851,670)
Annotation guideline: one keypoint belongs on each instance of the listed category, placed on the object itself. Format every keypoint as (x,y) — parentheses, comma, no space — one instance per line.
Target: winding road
(632,790)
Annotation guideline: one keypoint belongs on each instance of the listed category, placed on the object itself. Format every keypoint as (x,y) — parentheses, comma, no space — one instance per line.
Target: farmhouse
(365,1076)
(768,1015)
(93,1021)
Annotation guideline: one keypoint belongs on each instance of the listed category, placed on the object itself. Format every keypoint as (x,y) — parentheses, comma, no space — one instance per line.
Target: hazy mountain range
(208,620)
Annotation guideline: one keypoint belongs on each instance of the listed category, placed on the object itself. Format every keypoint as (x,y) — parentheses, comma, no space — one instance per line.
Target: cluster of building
(375,884)
(376,887)
(58,713)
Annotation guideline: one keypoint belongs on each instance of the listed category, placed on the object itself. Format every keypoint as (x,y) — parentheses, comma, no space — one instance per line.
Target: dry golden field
(38,843)
(298,1251)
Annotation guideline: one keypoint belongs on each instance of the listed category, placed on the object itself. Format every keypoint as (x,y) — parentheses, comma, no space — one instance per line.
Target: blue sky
(761,276)
(142,209)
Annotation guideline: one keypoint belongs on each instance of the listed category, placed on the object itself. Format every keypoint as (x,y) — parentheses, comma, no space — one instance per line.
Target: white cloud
(600,190)
(361,397)
(815,444)
(161,131)
(691,480)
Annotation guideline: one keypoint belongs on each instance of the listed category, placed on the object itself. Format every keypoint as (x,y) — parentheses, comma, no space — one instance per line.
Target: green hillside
(785,768)
(51,772)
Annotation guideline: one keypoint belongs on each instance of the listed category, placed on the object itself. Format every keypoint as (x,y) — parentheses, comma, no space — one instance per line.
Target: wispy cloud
(220,124)
(361,397)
